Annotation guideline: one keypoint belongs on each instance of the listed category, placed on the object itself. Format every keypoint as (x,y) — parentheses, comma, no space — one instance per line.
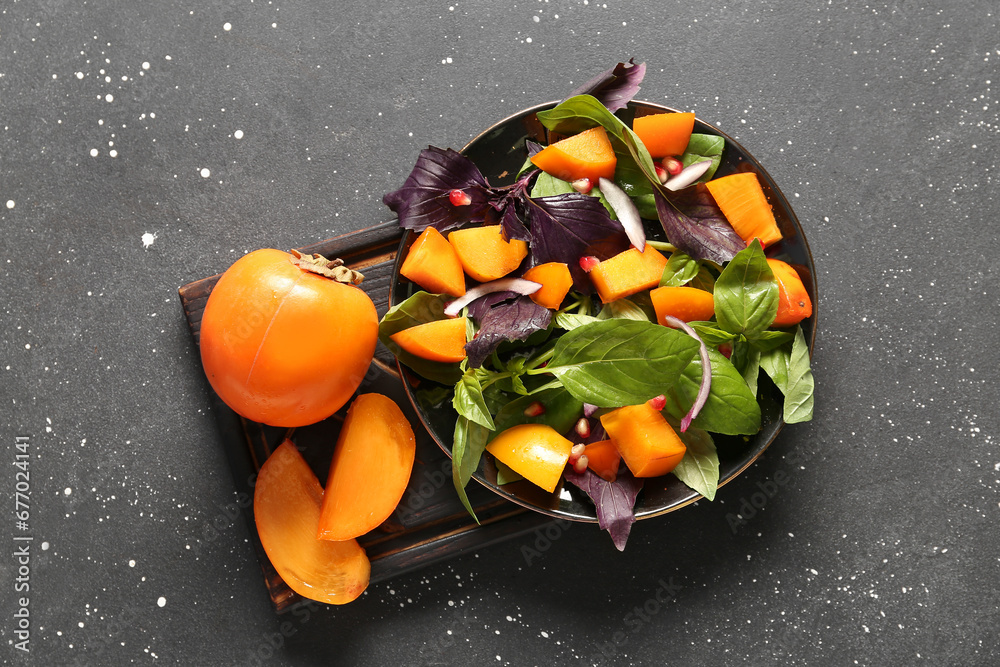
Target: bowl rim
(693,496)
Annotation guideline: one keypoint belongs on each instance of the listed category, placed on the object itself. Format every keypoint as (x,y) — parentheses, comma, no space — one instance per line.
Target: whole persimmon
(286,339)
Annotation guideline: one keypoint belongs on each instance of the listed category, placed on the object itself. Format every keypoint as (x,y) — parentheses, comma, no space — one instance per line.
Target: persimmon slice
(689,304)
(628,273)
(603,458)
(535,451)
(440,340)
(555,279)
(794,304)
(431,262)
(484,253)
(585,155)
(742,201)
(286,505)
(370,469)
(664,134)
(645,439)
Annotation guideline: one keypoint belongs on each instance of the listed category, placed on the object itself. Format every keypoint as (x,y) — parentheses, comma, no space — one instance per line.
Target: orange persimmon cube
(585,155)
(688,304)
(535,451)
(794,304)
(644,438)
(484,253)
(664,134)
(440,340)
(603,458)
(627,273)
(555,280)
(431,262)
(741,199)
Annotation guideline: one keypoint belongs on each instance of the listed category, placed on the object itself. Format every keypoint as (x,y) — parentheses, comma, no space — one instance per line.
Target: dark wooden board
(430,525)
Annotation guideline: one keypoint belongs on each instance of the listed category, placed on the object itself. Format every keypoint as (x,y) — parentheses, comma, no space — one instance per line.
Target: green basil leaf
(704,280)
(699,469)
(768,340)
(467,449)
(570,321)
(562,411)
(646,204)
(746,359)
(468,401)
(681,269)
(731,409)
(790,371)
(620,362)
(622,309)
(420,308)
(547,185)
(746,293)
(505,475)
(703,146)
(711,333)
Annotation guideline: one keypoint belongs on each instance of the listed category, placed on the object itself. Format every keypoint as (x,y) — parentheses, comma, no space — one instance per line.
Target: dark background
(876,541)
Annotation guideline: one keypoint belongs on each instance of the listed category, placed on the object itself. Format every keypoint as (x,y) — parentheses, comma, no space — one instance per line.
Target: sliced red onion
(626,211)
(706,372)
(690,174)
(519,285)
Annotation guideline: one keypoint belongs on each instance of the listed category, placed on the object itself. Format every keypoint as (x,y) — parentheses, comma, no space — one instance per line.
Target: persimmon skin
(287,500)
(794,304)
(431,262)
(535,451)
(688,304)
(370,469)
(282,345)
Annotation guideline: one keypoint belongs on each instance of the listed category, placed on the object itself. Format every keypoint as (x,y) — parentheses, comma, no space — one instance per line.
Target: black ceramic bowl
(499,153)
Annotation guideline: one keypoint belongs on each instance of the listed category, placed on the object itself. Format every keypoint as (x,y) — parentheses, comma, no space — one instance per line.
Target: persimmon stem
(328,268)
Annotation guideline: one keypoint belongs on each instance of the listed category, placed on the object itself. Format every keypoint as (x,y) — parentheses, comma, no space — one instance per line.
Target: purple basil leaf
(615,87)
(694,223)
(569,226)
(534,148)
(507,321)
(513,228)
(483,305)
(423,200)
(615,501)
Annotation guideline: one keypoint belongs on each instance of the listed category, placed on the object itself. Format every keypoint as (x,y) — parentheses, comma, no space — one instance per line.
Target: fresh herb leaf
(612,363)
(467,449)
(746,293)
(504,473)
(514,320)
(570,321)
(622,309)
(702,146)
(790,371)
(746,359)
(615,87)
(770,339)
(704,280)
(547,185)
(731,408)
(423,200)
(699,469)
(562,410)
(566,227)
(420,308)
(614,501)
(469,402)
(681,269)
(711,333)
(694,223)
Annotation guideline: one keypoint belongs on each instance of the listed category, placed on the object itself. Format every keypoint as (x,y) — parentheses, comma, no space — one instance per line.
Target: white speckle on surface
(227,26)
(113,153)
(79,75)
(145,65)
(148,239)
(238,134)
(205,173)
(27,346)
(45,546)
(93,152)
(131,563)
(10,203)
(109,98)
(67,491)
(161,602)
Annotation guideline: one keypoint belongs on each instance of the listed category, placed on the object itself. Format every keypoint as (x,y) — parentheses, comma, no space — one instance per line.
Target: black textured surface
(869,536)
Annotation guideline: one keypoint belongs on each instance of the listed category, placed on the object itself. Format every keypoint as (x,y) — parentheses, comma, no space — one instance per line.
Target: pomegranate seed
(672,165)
(662,174)
(576,452)
(580,465)
(582,428)
(582,185)
(658,402)
(535,409)
(459,198)
(589,263)
(726,350)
